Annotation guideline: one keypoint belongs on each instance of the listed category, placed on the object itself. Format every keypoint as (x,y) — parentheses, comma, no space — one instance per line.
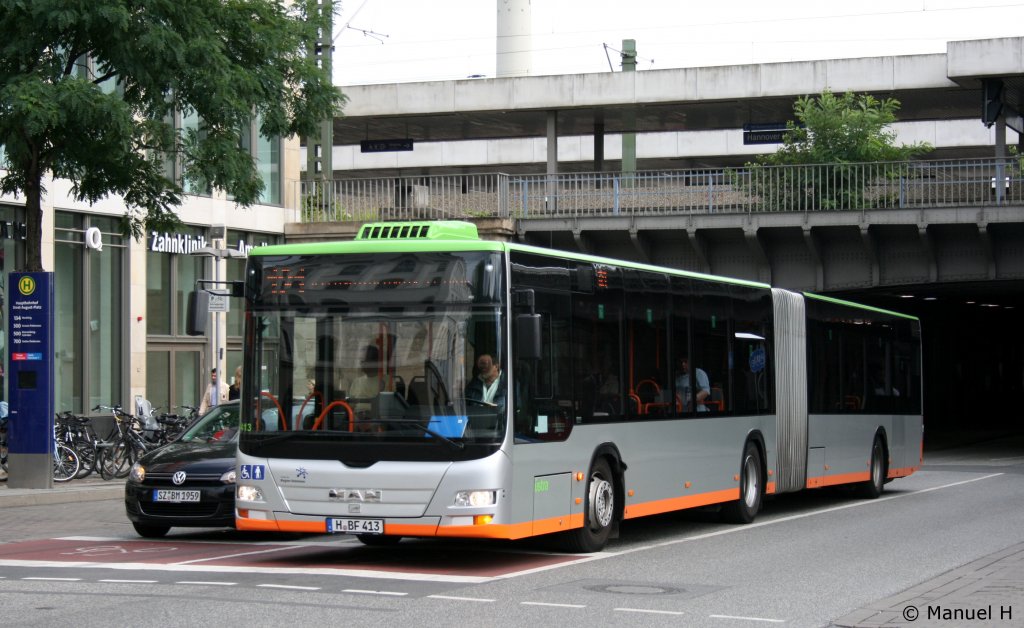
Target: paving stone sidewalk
(86,489)
(986,592)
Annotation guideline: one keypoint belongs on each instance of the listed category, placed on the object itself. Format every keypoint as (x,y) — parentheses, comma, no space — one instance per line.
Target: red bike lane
(427,560)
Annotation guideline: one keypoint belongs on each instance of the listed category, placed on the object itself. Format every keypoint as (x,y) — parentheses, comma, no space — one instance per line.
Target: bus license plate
(175,496)
(356,526)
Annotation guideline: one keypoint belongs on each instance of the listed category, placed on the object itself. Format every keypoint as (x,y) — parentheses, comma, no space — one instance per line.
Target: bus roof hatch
(425,230)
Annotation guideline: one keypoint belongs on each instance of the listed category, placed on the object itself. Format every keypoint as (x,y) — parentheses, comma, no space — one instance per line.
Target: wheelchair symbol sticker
(252,471)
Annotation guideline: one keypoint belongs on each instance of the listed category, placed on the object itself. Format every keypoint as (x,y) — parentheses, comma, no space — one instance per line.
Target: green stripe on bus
(860,306)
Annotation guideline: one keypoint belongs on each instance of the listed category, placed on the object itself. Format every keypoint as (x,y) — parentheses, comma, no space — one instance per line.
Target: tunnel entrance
(973,349)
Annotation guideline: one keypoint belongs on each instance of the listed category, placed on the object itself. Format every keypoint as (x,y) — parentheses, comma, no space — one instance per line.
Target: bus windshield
(362,365)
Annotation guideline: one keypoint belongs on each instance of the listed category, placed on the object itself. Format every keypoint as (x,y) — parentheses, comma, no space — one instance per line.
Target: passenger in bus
(365,386)
(600,391)
(489,384)
(684,389)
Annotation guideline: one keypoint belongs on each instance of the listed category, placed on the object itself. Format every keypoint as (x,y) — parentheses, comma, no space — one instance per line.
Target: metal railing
(802,188)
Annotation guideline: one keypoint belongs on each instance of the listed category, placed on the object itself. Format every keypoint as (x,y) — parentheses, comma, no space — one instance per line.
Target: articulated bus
(419,381)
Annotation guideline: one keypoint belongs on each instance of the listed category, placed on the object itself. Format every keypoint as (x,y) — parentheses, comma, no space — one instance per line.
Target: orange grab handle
(343,404)
(280,412)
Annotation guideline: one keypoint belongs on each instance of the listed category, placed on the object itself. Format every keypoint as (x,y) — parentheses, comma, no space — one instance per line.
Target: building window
(173,358)
(89,299)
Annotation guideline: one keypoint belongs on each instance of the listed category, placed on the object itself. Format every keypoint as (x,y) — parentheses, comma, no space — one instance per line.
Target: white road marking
(450,578)
(647,610)
(227,556)
(207,583)
(553,604)
(370,592)
(288,586)
(740,529)
(771,621)
(56,579)
(462,599)
(308,571)
(130,581)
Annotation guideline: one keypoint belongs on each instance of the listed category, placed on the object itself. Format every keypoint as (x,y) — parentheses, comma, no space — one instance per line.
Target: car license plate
(175,496)
(356,526)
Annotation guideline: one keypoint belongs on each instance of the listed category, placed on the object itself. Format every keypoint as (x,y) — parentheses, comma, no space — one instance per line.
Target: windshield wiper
(426,430)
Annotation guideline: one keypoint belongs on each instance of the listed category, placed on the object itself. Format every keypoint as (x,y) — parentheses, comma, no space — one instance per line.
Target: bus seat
(417,391)
(716,400)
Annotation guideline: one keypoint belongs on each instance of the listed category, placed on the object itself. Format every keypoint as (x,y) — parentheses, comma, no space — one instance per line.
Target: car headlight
(228,477)
(247,493)
(476,498)
(138,473)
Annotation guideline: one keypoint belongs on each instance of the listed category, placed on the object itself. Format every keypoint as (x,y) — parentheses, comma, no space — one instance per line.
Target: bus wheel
(378,540)
(598,511)
(874,487)
(748,505)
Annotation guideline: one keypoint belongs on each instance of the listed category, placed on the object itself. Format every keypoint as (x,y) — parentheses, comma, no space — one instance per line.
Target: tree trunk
(34,222)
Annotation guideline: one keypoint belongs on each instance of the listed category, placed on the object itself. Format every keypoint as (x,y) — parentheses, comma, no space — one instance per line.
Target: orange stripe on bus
(410,529)
(681,503)
(271,525)
(514,530)
(901,473)
(839,478)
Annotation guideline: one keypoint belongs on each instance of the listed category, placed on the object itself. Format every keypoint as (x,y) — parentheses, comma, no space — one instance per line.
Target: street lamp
(218,254)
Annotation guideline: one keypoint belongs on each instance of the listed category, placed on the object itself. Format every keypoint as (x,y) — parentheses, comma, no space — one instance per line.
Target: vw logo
(178,478)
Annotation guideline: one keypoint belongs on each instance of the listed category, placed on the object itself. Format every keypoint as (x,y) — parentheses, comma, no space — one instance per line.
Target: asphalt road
(809,559)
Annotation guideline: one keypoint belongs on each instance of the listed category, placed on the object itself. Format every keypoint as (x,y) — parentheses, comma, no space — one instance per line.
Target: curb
(14,497)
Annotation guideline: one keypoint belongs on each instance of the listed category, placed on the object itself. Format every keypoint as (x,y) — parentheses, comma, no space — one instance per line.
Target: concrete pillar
(551,190)
(628,118)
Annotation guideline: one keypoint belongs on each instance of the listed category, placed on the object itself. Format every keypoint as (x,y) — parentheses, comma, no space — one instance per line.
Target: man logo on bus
(26,286)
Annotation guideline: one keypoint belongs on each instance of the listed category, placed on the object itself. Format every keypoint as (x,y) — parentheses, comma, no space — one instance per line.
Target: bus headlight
(138,473)
(476,498)
(248,494)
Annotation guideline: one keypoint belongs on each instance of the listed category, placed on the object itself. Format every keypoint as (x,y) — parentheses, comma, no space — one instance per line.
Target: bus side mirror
(528,337)
(198,313)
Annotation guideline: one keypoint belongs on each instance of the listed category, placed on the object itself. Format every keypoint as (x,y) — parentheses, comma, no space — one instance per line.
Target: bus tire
(873,488)
(598,511)
(745,509)
(378,540)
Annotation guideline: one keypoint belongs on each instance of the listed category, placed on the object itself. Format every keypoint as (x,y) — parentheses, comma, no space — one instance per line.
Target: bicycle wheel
(86,456)
(65,463)
(113,461)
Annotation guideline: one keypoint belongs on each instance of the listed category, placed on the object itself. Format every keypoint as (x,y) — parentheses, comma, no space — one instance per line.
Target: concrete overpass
(953,254)
(688,117)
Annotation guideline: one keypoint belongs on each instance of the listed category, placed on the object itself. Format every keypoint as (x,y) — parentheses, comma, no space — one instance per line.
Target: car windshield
(219,424)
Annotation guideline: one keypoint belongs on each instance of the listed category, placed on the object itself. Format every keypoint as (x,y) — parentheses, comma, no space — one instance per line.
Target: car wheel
(151,531)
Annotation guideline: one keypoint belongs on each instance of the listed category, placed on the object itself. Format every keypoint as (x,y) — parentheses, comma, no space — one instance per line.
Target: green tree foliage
(846,147)
(108,126)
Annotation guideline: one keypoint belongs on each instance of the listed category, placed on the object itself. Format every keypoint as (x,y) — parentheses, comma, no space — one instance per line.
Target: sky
(398,41)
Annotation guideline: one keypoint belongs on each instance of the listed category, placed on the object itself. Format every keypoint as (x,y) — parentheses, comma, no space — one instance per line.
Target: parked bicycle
(77,433)
(126,445)
(65,460)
